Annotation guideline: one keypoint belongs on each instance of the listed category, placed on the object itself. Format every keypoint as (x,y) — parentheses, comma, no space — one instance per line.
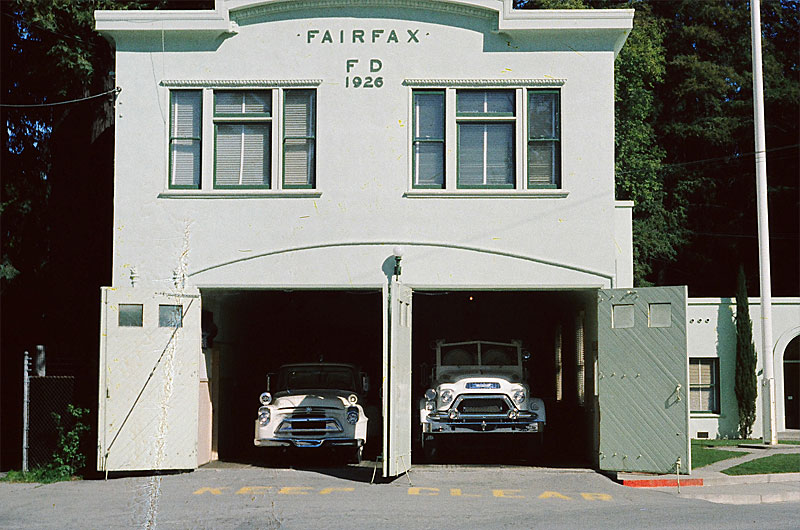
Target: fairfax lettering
(360,36)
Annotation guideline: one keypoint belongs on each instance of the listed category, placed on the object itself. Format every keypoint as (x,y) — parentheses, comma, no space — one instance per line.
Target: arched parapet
(366,264)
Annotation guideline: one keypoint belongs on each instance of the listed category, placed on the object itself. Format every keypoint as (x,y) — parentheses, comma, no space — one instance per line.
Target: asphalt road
(440,497)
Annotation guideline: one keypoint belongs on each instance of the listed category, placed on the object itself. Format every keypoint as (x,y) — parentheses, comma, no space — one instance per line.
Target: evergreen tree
(745,384)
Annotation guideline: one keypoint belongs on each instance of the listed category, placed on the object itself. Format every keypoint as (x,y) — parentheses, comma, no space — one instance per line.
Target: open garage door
(397,381)
(643,379)
(149,358)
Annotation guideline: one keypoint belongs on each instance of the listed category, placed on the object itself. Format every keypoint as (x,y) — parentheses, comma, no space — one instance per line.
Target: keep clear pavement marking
(413,490)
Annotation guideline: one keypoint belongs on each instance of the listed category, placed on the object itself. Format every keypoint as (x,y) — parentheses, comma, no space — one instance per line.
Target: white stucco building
(275,160)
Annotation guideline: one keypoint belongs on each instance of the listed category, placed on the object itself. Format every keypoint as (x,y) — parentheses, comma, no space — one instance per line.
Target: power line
(115,91)
(706,160)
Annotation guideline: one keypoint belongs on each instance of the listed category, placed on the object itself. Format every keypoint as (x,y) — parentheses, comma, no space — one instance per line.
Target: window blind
(299,130)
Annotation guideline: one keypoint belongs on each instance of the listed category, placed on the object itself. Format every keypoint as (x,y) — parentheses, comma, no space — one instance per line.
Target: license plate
(482,385)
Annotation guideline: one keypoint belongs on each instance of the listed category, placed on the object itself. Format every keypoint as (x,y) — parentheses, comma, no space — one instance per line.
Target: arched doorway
(791,383)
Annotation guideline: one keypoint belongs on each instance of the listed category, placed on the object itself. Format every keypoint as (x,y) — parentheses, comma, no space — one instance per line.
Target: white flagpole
(768,380)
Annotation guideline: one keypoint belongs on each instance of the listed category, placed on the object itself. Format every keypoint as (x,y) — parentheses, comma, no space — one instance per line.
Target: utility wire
(706,160)
(114,91)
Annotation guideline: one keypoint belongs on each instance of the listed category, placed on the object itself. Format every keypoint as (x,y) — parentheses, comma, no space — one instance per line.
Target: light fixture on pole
(398,256)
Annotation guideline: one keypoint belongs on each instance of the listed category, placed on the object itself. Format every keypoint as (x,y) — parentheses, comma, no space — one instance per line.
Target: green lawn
(768,464)
(726,442)
(703,455)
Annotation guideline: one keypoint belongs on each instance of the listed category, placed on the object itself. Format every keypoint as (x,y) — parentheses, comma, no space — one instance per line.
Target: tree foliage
(745,383)
(684,138)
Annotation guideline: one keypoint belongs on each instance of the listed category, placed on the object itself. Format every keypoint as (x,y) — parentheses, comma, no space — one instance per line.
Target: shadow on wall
(726,352)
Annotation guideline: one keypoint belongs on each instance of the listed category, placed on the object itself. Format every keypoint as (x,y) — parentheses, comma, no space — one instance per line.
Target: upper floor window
(242,130)
(502,139)
(186,116)
(485,120)
(544,139)
(299,136)
(428,141)
(247,150)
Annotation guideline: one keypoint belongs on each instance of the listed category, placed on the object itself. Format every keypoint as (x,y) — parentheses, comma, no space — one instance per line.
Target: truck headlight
(446,396)
(265,398)
(430,394)
(519,396)
(352,415)
(352,398)
(263,415)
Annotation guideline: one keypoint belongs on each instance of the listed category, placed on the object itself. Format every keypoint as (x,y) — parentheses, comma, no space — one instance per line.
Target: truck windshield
(490,355)
(316,377)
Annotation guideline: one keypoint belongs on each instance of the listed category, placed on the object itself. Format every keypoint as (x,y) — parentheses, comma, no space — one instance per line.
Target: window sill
(238,194)
(478,193)
(704,415)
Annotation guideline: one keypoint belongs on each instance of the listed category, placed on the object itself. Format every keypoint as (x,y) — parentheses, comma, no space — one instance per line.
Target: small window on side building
(130,315)
(704,385)
(170,316)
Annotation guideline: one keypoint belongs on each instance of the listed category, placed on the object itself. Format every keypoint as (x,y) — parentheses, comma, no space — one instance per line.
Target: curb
(721,480)
(660,482)
(723,498)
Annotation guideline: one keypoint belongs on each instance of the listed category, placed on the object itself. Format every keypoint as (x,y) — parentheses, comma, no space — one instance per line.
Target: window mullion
(451,139)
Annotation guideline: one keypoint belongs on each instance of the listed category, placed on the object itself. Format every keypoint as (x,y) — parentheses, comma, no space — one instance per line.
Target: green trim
(170,185)
(415,140)
(267,186)
(485,115)
(313,139)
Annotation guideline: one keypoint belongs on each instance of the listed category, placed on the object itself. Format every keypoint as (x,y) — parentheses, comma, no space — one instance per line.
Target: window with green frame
(299,139)
(704,385)
(504,138)
(485,122)
(242,130)
(429,140)
(185,119)
(544,139)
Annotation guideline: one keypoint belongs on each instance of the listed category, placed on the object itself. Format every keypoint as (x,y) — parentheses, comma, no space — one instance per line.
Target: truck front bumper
(442,423)
(307,442)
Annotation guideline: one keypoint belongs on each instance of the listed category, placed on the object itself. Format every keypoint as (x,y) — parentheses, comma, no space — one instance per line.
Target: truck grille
(483,405)
(309,424)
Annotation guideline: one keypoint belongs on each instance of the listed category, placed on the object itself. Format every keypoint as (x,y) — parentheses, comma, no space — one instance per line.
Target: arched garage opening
(791,383)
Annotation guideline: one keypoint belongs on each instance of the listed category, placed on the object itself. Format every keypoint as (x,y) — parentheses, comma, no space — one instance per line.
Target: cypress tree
(745,383)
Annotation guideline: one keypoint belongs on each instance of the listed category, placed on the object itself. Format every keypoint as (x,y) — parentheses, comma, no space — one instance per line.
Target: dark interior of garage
(261,330)
(258,331)
(536,318)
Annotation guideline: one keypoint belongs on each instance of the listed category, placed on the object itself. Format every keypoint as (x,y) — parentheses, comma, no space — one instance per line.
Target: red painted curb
(661,482)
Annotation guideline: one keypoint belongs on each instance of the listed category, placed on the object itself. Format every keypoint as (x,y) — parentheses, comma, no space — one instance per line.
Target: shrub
(745,385)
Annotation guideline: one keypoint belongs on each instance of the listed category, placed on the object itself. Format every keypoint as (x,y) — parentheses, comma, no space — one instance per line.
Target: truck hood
(312,398)
(486,374)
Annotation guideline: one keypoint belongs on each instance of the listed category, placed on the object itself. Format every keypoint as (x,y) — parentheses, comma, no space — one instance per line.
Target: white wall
(361,202)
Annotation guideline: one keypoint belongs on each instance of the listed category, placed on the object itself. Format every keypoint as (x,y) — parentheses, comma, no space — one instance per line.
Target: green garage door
(642,381)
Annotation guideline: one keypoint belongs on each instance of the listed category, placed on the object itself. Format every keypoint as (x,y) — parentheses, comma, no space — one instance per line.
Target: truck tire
(356,455)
